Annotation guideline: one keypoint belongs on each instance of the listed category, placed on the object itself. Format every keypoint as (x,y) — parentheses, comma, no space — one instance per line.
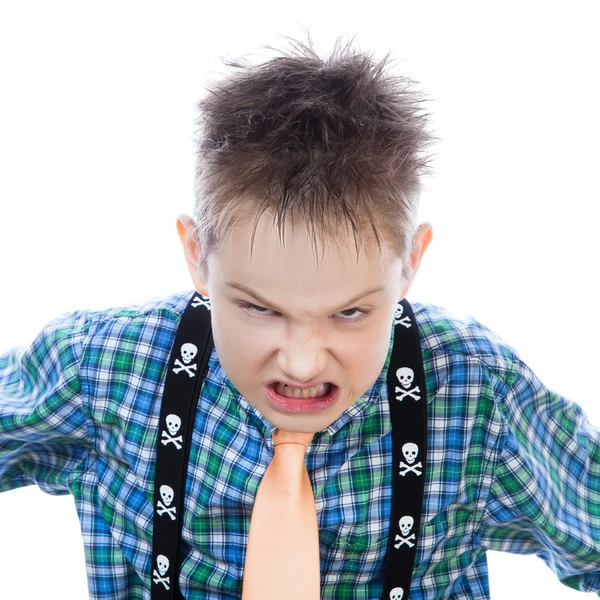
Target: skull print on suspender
(410,452)
(397,593)
(406,376)
(162,562)
(189,350)
(188,353)
(399,319)
(173,425)
(406,523)
(167,494)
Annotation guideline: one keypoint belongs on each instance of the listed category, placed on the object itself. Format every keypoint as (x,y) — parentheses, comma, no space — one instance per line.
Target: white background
(96,121)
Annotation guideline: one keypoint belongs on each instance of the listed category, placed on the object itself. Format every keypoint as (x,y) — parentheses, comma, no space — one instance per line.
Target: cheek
(360,361)
(365,359)
(240,347)
(363,362)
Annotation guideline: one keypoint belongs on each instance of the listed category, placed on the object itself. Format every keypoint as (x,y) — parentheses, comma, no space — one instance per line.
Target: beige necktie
(282,557)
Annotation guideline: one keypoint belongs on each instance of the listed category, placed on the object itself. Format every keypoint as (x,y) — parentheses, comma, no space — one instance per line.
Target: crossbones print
(163,566)
(170,511)
(198,301)
(164,580)
(412,393)
(177,441)
(408,468)
(399,319)
(181,367)
(406,541)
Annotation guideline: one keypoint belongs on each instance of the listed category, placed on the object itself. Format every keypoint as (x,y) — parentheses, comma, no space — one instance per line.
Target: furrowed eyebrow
(257,296)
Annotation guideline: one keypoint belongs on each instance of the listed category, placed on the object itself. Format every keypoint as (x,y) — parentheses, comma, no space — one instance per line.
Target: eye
(250,309)
(362,313)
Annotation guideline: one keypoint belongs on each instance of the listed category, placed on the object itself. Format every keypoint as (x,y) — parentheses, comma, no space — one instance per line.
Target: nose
(302,360)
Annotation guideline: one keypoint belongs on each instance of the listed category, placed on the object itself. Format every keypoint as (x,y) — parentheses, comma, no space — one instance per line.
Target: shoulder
(164,309)
(128,347)
(80,328)
(149,325)
(448,338)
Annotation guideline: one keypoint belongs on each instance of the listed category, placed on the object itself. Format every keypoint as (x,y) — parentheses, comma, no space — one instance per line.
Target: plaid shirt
(512,465)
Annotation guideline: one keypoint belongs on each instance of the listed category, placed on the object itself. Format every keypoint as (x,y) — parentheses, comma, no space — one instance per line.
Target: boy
(310,146)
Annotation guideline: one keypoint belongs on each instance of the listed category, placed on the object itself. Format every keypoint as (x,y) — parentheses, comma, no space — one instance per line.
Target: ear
(192,251)
(421,241)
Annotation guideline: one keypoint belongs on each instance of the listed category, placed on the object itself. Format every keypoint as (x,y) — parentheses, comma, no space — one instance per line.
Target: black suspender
(408,410)
(188,365)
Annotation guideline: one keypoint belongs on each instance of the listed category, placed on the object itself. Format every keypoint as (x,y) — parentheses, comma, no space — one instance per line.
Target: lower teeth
(284,391)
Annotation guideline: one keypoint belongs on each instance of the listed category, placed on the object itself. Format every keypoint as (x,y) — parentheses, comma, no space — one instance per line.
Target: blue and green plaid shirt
(512,465)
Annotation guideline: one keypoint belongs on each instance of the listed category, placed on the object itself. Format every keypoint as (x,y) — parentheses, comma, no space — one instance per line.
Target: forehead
(302,255)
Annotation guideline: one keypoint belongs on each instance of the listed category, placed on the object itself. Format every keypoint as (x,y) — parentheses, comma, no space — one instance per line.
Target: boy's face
(305,330)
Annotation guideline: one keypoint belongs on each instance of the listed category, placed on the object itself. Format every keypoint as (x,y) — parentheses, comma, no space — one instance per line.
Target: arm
(545,496)
(43,432)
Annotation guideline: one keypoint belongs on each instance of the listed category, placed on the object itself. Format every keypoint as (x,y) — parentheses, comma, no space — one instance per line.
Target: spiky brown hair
(336,140)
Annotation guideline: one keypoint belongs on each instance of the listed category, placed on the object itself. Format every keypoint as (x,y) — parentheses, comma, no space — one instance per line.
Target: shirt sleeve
(43,432)
(545,495)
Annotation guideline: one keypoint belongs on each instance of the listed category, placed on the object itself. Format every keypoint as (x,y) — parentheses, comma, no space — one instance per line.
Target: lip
(295,405)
